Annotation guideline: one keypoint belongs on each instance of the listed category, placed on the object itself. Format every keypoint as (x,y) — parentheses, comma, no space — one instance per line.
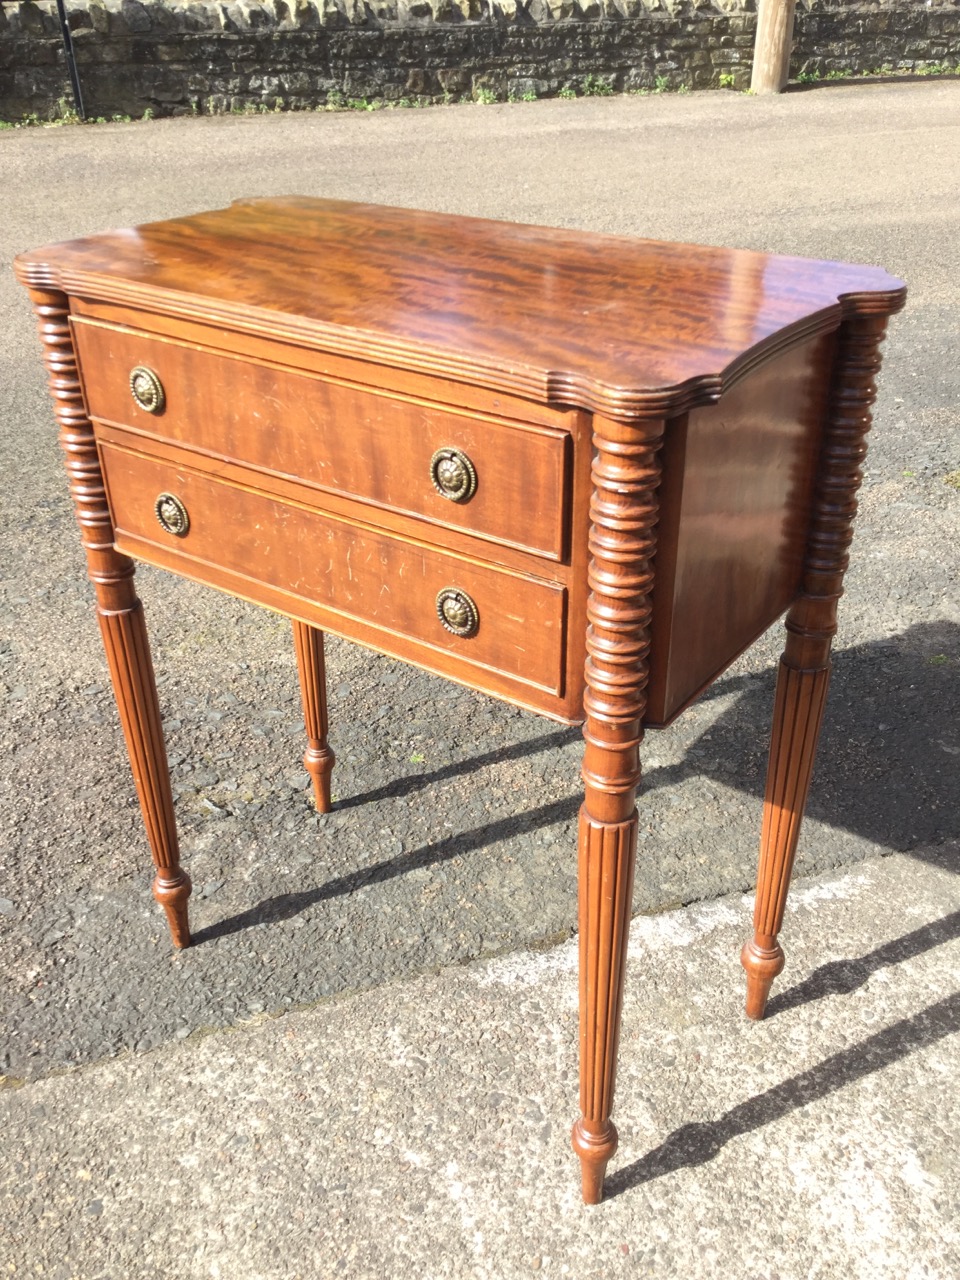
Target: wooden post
(771,52)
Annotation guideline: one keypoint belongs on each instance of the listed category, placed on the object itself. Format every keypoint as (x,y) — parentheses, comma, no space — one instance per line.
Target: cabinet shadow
(888,764)
(888,767)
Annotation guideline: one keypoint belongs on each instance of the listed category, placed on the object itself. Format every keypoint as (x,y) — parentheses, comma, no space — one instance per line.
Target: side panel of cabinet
(736,494)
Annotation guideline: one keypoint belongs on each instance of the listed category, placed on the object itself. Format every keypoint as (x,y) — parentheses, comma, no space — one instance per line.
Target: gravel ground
(453,837)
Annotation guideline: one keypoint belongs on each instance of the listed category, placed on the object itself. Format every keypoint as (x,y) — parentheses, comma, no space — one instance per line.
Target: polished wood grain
(350,440)
(617,326)
(805,666)
(318,758)
(735,502)
(667,441)
(119,613)
(623,515)
(352,370)
(344,577)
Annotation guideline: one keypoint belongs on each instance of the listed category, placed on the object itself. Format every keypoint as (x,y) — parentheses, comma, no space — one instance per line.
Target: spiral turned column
(318,758)
(119,612)
(623,517)
(811,624)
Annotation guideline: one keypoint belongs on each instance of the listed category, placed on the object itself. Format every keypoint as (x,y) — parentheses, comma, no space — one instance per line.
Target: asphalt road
(454,834)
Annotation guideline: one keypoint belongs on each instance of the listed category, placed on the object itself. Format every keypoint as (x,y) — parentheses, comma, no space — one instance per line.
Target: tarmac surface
(411,1109)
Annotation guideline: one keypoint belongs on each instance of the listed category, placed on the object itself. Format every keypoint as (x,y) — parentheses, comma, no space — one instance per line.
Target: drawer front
(368,585)
(499,480)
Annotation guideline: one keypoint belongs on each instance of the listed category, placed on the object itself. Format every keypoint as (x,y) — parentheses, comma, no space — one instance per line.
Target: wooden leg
(318,758)
(805,666)
(623,518)
(120,614)
(131,670)
(798,713)
(607,859)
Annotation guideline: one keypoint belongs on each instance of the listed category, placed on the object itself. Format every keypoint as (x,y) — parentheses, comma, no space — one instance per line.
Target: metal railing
(70,55)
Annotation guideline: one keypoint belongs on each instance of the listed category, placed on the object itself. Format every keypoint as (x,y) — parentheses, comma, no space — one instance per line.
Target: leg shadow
(841,977)
(287,905)
(418,781)
(697,1144)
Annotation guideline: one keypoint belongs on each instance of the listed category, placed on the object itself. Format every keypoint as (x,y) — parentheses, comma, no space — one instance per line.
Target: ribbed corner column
(804,672)
(623,516)
(119,612)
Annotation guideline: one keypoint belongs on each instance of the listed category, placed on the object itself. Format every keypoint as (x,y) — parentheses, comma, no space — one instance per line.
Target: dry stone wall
(198,56)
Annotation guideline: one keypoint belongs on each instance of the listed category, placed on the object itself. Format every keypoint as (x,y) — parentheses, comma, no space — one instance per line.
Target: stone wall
(190,56)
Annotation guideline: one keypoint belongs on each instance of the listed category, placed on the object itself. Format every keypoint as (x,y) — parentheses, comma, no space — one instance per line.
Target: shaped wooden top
(629,328)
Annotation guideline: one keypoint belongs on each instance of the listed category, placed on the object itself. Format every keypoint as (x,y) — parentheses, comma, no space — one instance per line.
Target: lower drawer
(452,615)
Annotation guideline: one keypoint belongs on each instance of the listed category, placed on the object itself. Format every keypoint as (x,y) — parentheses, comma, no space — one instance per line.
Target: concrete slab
(422,1128)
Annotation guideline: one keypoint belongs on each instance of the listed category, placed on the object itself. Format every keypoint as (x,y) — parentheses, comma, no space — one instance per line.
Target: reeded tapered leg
(805,666)
(318,758)
(120,614)
(798,712)
(622,539)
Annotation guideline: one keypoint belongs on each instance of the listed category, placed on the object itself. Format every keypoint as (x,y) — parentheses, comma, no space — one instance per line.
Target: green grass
(593,85)
(816,76)
(597,87)
(65,114)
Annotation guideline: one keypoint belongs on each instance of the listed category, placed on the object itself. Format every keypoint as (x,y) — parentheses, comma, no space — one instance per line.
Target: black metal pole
(71,59)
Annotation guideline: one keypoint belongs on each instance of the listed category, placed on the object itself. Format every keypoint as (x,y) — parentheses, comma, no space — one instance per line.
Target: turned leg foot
(594,1145)
(319,762)
(318,759)
(172,891)
(763,964)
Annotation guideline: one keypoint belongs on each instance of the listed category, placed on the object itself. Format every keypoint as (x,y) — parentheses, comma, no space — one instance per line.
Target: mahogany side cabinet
(578,472)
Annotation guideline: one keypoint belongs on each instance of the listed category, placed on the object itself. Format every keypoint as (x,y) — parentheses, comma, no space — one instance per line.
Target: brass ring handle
(147,389)
(458,613)
(172,514)
(453,474)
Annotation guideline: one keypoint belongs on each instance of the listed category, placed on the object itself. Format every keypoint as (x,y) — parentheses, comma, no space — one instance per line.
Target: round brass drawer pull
(458,613)
(453,474)
(172,514)
(147,389)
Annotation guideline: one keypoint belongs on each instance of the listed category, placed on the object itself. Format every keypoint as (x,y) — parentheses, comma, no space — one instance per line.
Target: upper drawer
(377,447)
